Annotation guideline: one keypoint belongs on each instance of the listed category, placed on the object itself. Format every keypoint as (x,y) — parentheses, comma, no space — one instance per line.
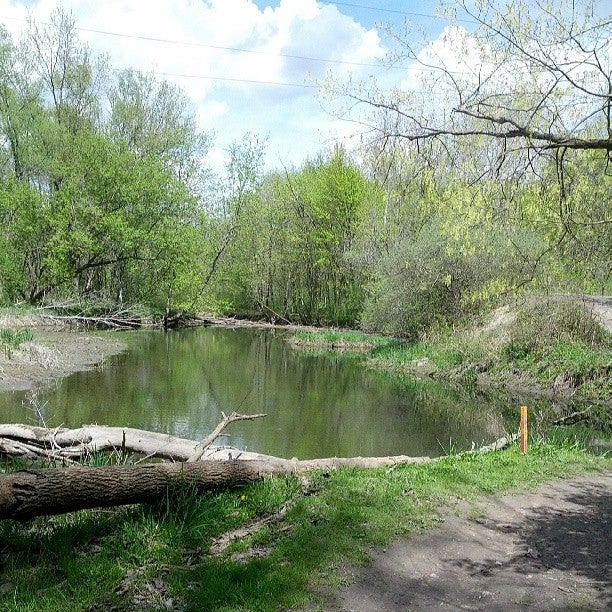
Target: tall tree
(531,75)
(91,203)
(154,117)
(72,76)
(521,98)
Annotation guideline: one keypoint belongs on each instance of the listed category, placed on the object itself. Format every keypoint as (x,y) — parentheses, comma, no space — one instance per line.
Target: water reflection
(317,406)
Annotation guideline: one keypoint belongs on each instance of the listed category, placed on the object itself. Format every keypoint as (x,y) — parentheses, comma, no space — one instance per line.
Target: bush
(432,281)
(541,325)
(10,340)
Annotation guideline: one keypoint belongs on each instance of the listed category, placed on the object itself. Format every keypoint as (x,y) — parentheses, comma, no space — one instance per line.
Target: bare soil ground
(546,550)
(54,352)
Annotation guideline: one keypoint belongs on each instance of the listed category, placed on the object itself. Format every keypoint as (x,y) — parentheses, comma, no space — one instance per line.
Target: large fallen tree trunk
(28,493)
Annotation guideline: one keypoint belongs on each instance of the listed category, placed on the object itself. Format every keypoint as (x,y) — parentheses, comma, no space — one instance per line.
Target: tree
(21,112)
(231,214)
(71,75)
(533,76)
(327,199)
(153,117)
(94,204)
(519,102)
(304,225)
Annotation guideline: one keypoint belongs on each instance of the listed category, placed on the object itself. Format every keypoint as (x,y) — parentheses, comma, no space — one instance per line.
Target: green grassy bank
(550,347)
(310,529)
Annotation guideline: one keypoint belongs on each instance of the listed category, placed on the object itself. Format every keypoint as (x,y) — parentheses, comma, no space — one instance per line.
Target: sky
(248,66)
(252,66)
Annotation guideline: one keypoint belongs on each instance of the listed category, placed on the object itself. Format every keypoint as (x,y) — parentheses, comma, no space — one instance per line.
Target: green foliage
(436,280)
(542,325)
(11,340)
(288,259)
(117,204)
(94,205)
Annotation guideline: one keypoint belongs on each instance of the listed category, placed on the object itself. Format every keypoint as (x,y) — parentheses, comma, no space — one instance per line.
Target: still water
(317,406)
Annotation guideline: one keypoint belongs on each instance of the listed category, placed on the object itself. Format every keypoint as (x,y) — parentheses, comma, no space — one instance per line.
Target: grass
(144,557)
(155,556)
(349,342)
(11,340)
(552,346)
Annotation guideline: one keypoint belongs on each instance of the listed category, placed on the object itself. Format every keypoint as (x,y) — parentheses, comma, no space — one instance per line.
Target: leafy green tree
(94,205)
(153,117)
(301,270)
(521,106)
(327,200)
(233,213)
(22,256)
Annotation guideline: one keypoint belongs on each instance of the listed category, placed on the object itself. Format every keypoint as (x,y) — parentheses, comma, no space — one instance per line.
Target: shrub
(10,340)
(541,325)
(432,280)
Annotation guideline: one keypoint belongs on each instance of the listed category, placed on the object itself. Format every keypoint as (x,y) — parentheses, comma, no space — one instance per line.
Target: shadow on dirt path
(546,550)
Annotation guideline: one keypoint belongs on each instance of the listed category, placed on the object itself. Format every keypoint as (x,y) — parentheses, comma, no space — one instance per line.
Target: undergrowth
(551,346)
(11,339)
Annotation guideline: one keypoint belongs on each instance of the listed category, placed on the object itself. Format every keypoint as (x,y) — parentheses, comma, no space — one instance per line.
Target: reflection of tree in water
(317,406)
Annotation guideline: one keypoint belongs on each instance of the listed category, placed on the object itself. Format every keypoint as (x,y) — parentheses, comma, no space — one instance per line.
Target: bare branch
(204,444)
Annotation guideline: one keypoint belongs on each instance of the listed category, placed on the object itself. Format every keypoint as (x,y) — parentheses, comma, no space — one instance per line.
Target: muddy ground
(54,352)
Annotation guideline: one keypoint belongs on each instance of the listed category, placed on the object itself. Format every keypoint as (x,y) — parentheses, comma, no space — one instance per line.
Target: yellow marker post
(523,430)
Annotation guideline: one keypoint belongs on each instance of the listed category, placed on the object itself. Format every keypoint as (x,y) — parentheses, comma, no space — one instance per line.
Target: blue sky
(247,65)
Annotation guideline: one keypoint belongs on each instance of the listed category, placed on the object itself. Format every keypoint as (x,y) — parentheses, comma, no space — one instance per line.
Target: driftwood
(28,493)
(38,442)
(32,442)
(574,417)
(204,444)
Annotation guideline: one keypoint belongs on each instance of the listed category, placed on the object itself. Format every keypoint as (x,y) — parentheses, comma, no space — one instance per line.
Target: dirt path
(547,550)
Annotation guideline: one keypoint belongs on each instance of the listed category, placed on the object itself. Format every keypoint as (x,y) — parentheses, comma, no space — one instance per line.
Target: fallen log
(574,417)
(34,492)
(38,442)
(29,493)
(31,442)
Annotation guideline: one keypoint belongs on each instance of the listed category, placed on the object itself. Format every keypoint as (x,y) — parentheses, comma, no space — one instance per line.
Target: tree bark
(40,442)
(29,493)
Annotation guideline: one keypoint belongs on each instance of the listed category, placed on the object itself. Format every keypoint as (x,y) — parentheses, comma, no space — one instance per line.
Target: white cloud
(205,32)
(454,51)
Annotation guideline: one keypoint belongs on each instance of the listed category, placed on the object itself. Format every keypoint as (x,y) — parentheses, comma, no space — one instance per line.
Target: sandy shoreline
(53,353)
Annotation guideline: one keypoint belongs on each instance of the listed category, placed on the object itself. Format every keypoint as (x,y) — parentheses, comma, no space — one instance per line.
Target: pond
(317,405)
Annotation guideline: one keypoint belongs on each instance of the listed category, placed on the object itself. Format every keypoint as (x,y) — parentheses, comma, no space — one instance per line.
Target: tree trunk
(29,493)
